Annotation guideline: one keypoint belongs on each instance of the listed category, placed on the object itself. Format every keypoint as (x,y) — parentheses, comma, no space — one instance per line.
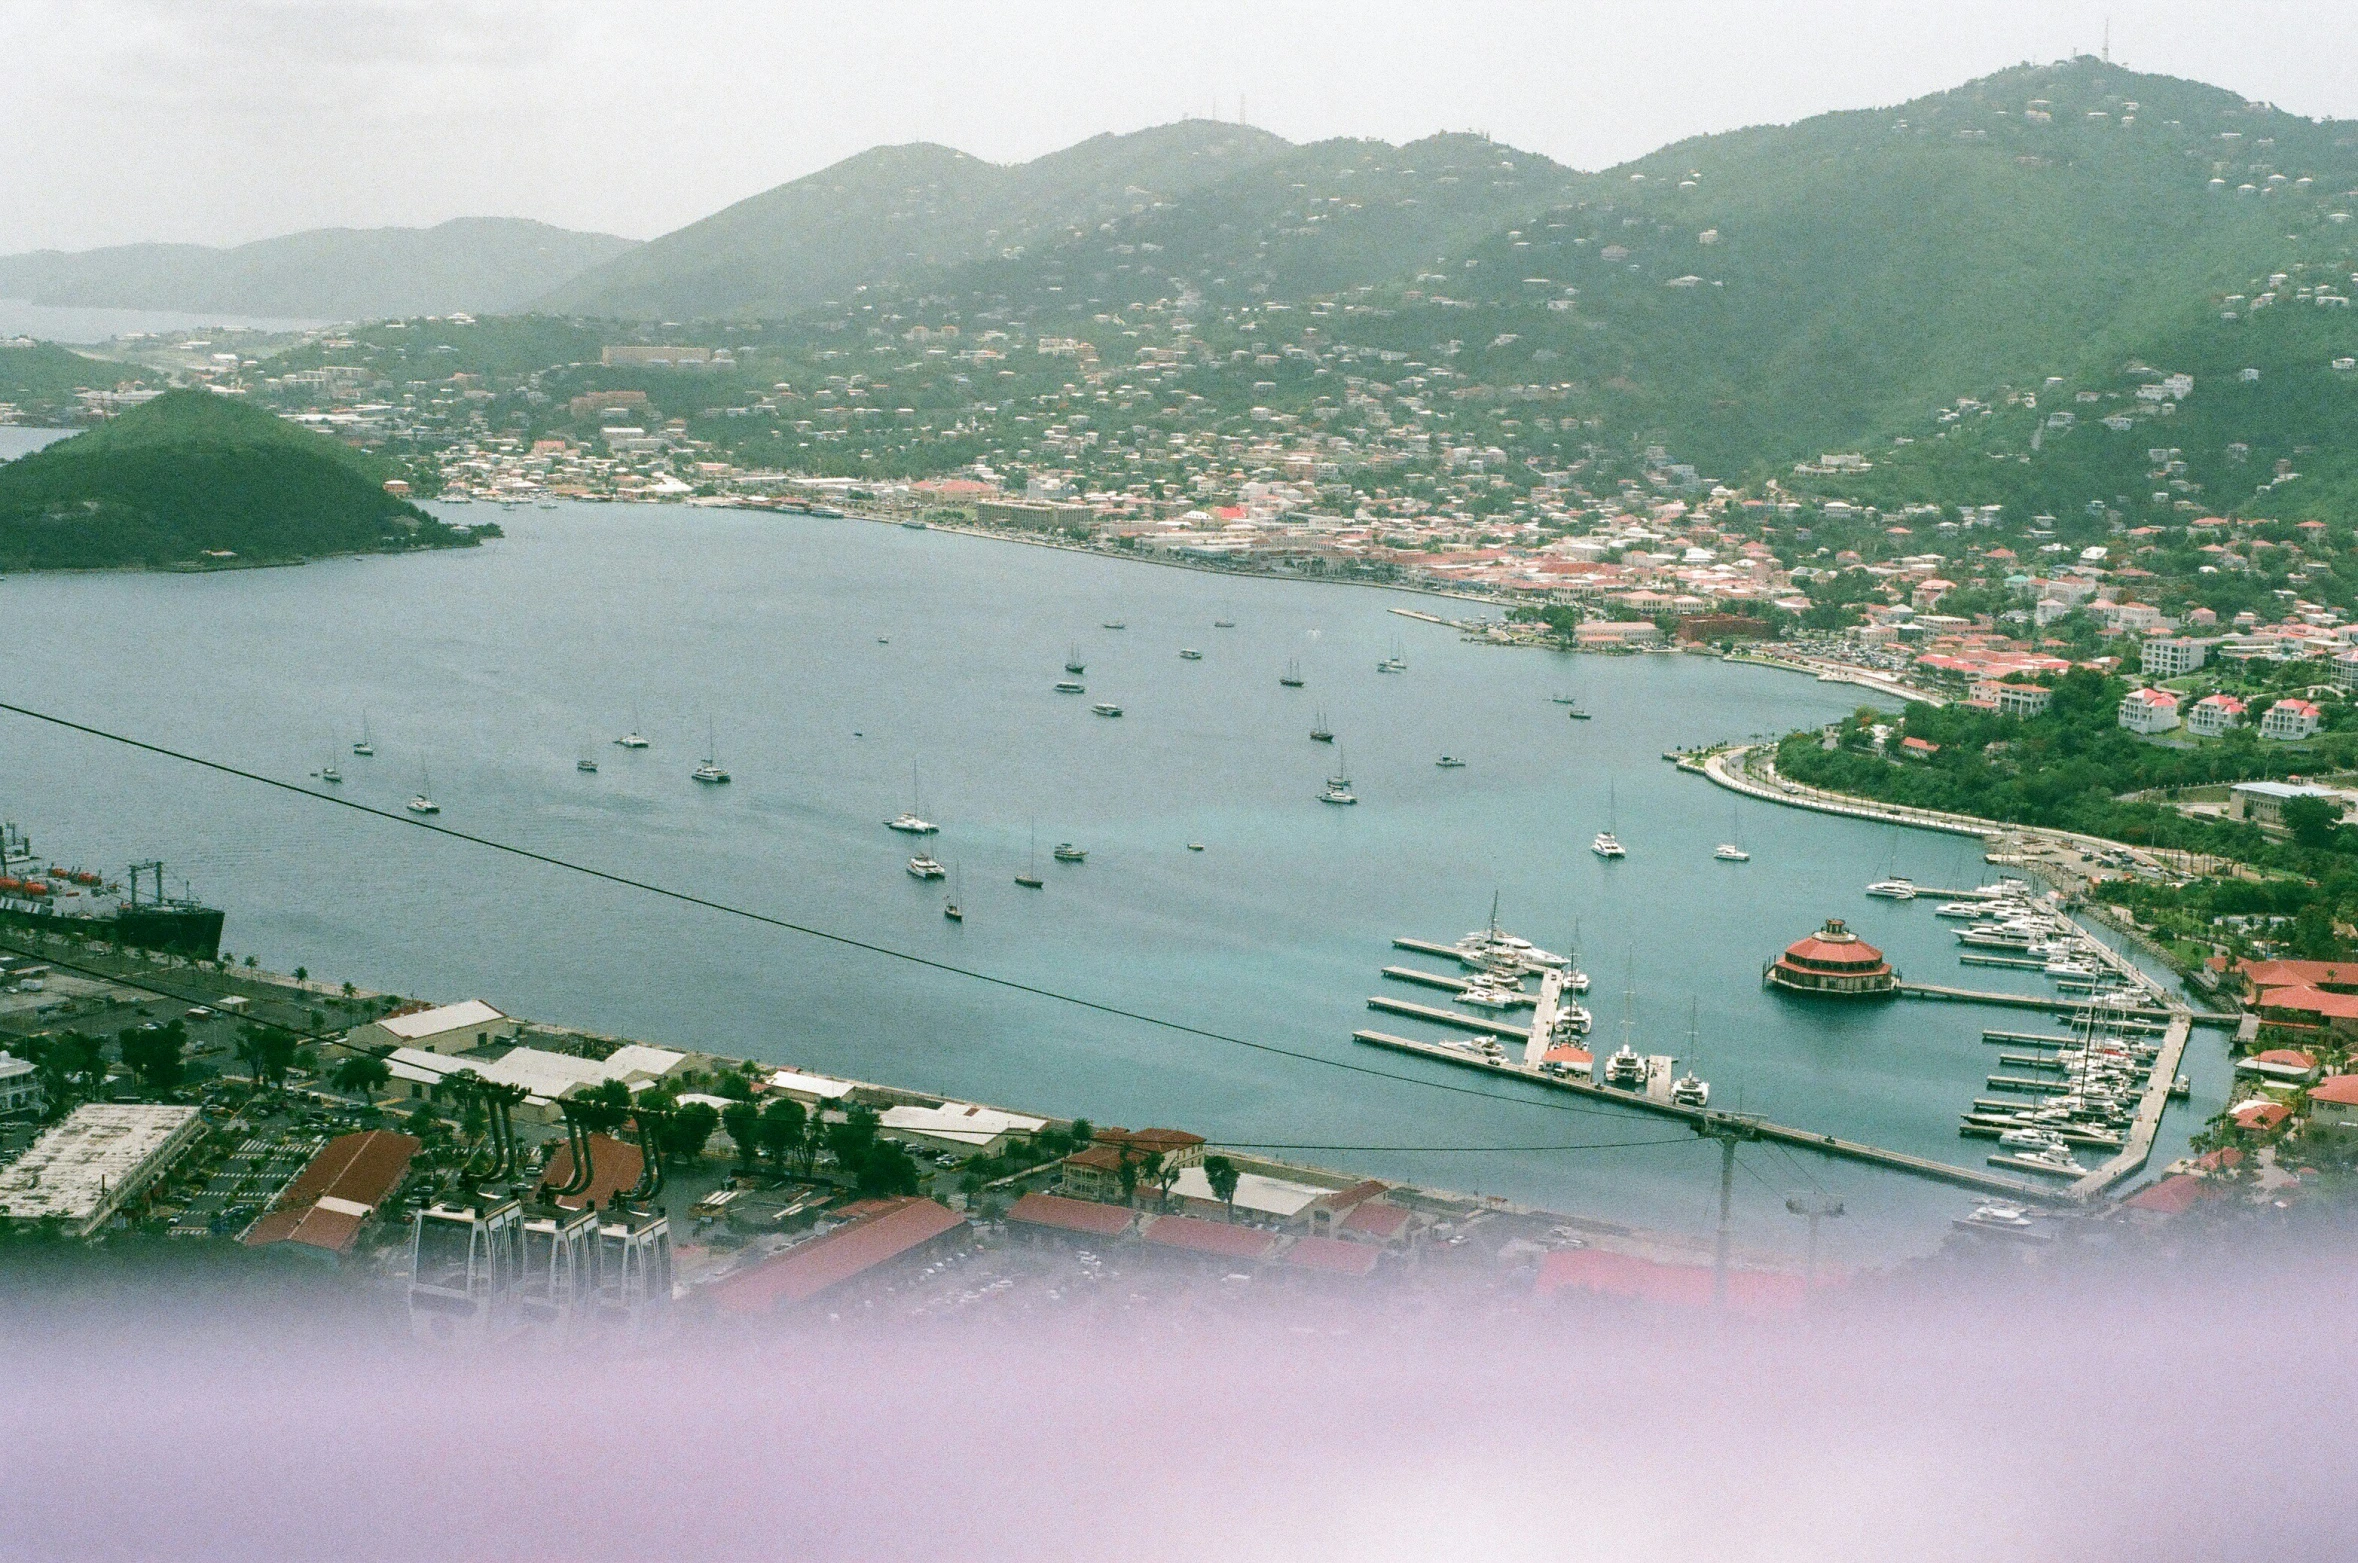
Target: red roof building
(1072,1217)
(895,1230)
(2332,976)
(1331,1256)
(1375,1222)
(337,1193)
(2334,1100)
(2307,1006)
(2167,1200)
(615,1165)
(1833,961)
(1213,1239)
(2259,1115)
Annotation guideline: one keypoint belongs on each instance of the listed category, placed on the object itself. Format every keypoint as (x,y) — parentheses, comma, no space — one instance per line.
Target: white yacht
(1893,889)
(1106,708)
(1190,654)
(1690,1091)
(1957,909)
(1625,1069)
(1608,845)
(909,824)
(365,748)
(1393,664)
(2052,1160)
(2031,1139)
(1066,852)
(709,773)
(421,804)
(631,740)
(1729,852)
(1483,995)
(1071,686)
(1338,792)
(1573,1020)
(924,867)
(330,775)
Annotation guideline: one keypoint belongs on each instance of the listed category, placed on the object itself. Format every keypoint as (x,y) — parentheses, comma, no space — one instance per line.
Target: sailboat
(1608,844)
(709,772)
(1072,660)
(327,771)
(1030,877)
(1691,1089)
(632,739)
(1292,677)
(364,748)
(950,907)
(423,803)
(1338,786)
(1395,663)
(1732,849)
(908,822)
(1320,732)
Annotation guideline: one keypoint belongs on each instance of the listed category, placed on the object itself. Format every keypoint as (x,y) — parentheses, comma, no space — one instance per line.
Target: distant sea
(844,671)
(72,324)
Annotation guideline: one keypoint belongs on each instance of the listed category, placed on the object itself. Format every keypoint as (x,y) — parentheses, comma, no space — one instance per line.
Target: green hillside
(482,264)
(39,379)
(900,212)
(192,477)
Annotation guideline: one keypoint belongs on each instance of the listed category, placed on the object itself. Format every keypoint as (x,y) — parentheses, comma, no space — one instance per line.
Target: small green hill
(194,477)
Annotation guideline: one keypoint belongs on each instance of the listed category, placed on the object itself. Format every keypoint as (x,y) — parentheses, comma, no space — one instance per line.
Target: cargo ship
(83,903)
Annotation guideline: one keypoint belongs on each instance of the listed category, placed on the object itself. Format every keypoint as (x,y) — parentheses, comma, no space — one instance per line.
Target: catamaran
(923,867)
(364,748)
(908,822)
(1338,786)
(423,803)
(709,772)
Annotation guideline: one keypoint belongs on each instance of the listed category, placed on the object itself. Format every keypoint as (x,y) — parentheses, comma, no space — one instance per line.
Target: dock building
(1835,962)
(82,1172)
(336,1196)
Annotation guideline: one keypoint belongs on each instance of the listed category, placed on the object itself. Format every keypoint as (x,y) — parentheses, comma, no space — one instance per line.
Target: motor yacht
(1894,889)
(1483,995)
(1729,852)
(1957,909)
(2031,1138)
(910,825)
(1066,852)
(1608,845)
(924,867)
(1115,624)
(1071,686)
(1106,708)
(1223,624)
(1190,654)
(586,765)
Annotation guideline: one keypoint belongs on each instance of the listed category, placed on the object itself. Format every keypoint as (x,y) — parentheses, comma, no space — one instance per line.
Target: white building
(1277,1198)
(2020,701)
(960,1126)
(2213,715)
(82,1171)
(2263,802)
(2149,711)
(453,1028)
(2289,719)
(2173,657)
(545,1077)
(20,1086)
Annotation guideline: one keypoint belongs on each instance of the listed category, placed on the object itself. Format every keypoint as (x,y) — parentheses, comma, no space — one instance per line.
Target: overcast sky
(222,122)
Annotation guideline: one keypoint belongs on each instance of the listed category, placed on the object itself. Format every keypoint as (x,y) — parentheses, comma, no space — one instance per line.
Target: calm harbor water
(828,660)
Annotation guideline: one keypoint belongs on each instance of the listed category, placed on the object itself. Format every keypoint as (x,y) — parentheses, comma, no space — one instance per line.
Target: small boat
(1115,624)
(1195,846)
(950,908)
(1450,762)
(586,766)
(1190,654)
(1565,700)
(1729,852)
(914,525)
(1223,624)
(1608,845)
(1320,732)
(1893,889)
(1577,715)
(910,825)
(1073,662)
(923,867)
(1106,708)
(1625,1069)
(364,748)
(1066,852)
(1484,996)
(1690,1091)
(1291,678)
(1071,686)
(884,640)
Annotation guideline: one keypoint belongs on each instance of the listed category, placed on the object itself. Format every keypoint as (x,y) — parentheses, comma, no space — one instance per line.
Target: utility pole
(1814,1208)
(1728,1129)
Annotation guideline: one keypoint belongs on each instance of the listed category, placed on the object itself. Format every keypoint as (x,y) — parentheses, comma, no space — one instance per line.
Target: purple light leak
(2159,1416)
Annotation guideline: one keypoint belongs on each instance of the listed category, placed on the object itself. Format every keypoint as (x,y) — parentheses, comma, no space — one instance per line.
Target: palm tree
(1221,1174)
(362,1075)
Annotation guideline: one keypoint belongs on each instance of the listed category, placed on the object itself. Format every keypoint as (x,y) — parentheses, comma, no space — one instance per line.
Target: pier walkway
(1429,979)
(2147,1124)
(1825,1144)
(1451,1017)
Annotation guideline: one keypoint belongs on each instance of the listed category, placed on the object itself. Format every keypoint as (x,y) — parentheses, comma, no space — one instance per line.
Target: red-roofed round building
(1832,961)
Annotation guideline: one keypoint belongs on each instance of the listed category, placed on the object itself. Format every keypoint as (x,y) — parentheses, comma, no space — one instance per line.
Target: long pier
(1433,979)
(1430,947)
(1825,1144)
(1450,1017)
(2147,1124)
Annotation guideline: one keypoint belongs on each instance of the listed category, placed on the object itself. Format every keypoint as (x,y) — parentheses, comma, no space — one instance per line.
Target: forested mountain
(483,265)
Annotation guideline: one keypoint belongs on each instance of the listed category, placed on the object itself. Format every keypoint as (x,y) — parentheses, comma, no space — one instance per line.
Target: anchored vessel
(78,901)
(1833,961)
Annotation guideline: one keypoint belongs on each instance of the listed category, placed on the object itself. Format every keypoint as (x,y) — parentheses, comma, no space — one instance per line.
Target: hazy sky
(227,121)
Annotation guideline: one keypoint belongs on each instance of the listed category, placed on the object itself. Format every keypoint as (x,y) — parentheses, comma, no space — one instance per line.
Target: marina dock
(2151,1019)
(1825,1144)
(1430,947)
(2147,1124)
(1430,979)
(1450,1017)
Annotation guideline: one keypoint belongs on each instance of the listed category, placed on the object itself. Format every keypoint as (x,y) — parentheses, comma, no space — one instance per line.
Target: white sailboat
(424,802)
(710,772)
(1608,844)
(1732,849)
(908,822)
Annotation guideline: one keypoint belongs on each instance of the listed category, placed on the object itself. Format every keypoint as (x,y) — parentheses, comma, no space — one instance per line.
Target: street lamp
(1813,1208)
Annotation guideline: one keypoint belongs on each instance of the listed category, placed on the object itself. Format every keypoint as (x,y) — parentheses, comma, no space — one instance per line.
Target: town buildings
(2149,711)
(85,1170)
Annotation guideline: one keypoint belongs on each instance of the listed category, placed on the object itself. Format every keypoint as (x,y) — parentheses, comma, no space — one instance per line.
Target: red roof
(2311,1001)
(1567,1053)
(2259,1114)
(1834,944)
(1605,1274)
(1375,1219)
(2290,1058)
(358,1169)
(1071,1215)
(802,1273)
(1331,1255)
(615,1165)
(2299,974)
(2172,1196)
(2341,1090)
(1209,1237)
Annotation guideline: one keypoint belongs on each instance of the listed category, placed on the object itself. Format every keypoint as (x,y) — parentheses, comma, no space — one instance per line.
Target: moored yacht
(1450,762)
(1071,686)
(1608,845)
(1625,1069)
(421,804)
(1291,678)
(1106,708)
(1894,889)
(1190,654)
(1729,852)
(908,824)
(923,866)
(1688,1090)
(631,740)
(1066,852)
(1483,995)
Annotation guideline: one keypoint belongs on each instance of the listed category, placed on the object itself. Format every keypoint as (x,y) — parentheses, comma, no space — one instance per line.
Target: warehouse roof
(77,1166)
(803,1272)
(434,1022)
(334,1195)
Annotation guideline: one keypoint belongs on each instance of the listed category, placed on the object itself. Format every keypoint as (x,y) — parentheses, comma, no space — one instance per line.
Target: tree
(688,1128)
(780,1130)
(362,1074)
(602,1108)
(156,1056)
(68,1066)
(885,1169)
(742,1121)
(2312,822)
(1221,1174)
(850,1139)
(266,1052)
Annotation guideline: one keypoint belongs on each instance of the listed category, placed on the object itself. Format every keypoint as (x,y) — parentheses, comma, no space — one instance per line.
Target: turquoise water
(827,658)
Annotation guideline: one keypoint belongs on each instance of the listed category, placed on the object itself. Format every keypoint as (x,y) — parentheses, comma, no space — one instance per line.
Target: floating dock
(2010,962)
(2160,1084)
(1827,1144)
(1448,952)
(1433,979)
(2153,1019)
(1450,1017)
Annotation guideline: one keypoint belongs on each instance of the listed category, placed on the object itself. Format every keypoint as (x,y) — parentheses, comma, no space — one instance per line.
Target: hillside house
(2214,715)
(2149,711)
(2289,720)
